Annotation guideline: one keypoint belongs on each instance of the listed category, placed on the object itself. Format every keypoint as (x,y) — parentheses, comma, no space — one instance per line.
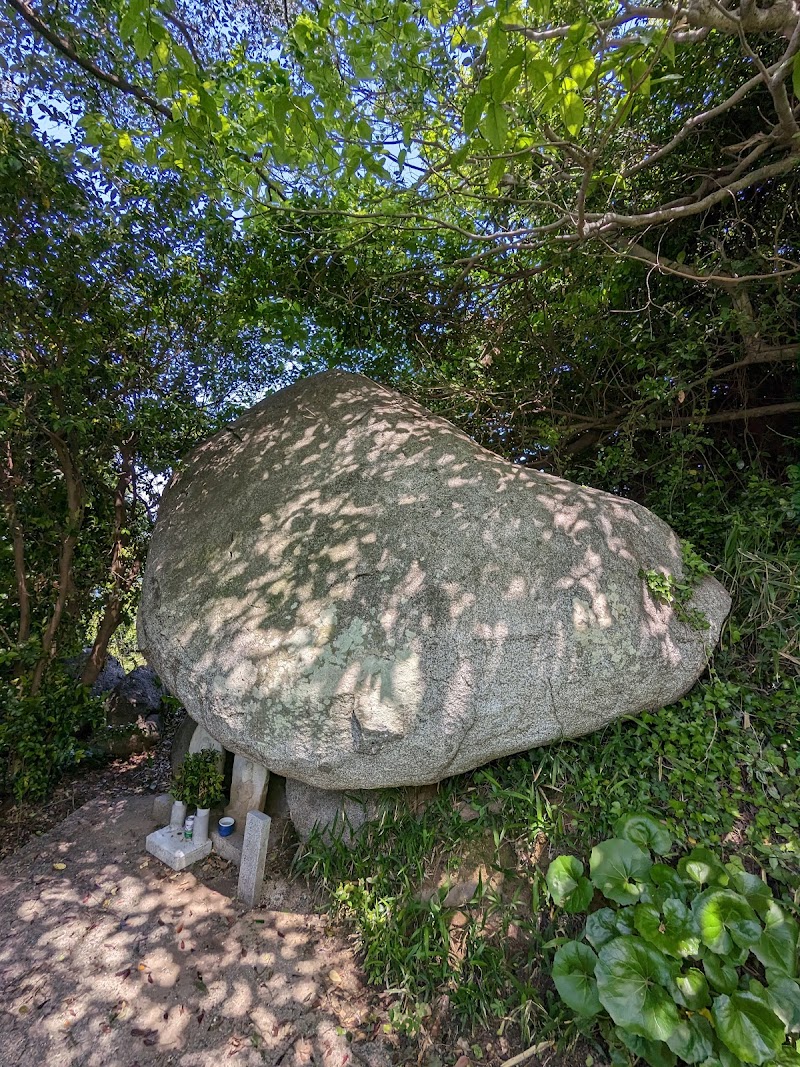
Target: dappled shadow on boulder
(346,588)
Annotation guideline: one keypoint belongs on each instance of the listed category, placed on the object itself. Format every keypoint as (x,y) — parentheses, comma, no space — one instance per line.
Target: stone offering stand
(246,846)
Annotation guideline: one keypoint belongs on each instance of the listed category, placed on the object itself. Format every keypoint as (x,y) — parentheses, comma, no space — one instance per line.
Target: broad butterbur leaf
(614,867)
(776,948)
(668,881)
(788,1056)
(655,1053)
(693,989)
(601,927)
(757,893)
(747,1026)
(783,996)
(703,867)
(725,919)
(645,832)
(720,975)
(692,1040)
(673,929)
(568,888)
(574,978)
(631,980)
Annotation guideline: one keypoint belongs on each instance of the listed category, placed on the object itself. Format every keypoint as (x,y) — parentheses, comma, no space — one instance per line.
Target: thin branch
(62,45)
(636,251)
(613,220)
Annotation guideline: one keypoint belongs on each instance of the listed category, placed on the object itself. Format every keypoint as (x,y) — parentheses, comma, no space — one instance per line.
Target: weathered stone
(254,855)
(180,743)
(347,589)
(162,809)
(202,740)
(132,712)
(111,675)
(333,813)
(137,696)
(230,847)
(248,788)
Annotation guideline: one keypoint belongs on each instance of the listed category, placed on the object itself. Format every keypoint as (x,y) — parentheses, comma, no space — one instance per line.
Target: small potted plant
(199,782)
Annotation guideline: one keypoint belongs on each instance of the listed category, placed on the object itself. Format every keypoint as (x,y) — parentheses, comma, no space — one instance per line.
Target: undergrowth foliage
(694,963)
(720,770)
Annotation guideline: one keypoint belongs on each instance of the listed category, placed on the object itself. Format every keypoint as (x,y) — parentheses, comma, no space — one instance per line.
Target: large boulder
(347,588)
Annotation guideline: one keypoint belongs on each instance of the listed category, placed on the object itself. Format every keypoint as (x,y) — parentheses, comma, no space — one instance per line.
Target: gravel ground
(110,958)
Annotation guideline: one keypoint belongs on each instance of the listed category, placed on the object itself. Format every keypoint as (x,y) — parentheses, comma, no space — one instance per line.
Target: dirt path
(113,960)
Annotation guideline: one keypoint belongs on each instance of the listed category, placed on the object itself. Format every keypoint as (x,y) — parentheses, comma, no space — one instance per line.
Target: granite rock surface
(347,589)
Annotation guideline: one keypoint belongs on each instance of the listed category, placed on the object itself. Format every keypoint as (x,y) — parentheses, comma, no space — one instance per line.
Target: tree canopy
(572,228)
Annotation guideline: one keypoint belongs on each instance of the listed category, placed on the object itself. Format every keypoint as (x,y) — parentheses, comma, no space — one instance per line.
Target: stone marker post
(254,855)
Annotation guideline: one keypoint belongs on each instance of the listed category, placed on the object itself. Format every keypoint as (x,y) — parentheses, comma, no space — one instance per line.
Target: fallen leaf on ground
(59,866)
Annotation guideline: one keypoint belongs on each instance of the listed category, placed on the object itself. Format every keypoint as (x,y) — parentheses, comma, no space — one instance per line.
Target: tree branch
(62,45)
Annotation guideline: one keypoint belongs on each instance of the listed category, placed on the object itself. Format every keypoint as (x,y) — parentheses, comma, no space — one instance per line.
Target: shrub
(199,780)
(39,735)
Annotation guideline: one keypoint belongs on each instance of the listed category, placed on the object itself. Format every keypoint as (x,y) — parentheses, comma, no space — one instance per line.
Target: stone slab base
(170,846)
(230,847)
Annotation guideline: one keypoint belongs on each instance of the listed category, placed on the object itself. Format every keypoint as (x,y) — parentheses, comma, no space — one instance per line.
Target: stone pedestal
(230,847)
(169,845)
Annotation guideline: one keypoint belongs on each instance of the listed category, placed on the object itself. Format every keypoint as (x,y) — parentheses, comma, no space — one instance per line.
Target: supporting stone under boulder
(346,589)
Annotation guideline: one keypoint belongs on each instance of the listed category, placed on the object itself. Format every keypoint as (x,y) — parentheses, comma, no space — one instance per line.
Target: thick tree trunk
(122,576)
(75,512)
(18,547)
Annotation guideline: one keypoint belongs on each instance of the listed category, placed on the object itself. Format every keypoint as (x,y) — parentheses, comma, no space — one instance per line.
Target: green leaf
(721,975)
(601,927)
(747,1026)
(507,78)
(645,832)
(494,126)
(654,1053)
(703,867)
(777,946)
(673,929)
(142,41)
(722,1057)
(796,76)
(132,17)
(692,1040)
(472,113)
(783,996)
(693,989)
(573,113)
(666,877)
(568,888)
(631,980)
(725,918)
(614,865)
(788,1056)
(573,976)
(757,893)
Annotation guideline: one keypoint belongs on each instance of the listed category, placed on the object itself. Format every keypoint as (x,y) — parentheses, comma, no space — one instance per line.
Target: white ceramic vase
(178,815)
(200,835)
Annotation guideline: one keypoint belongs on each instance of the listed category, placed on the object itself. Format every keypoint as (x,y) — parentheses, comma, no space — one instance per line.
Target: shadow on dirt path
(109,959)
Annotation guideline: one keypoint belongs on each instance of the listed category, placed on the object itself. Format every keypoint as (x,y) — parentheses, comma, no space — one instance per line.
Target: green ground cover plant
(692,962)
